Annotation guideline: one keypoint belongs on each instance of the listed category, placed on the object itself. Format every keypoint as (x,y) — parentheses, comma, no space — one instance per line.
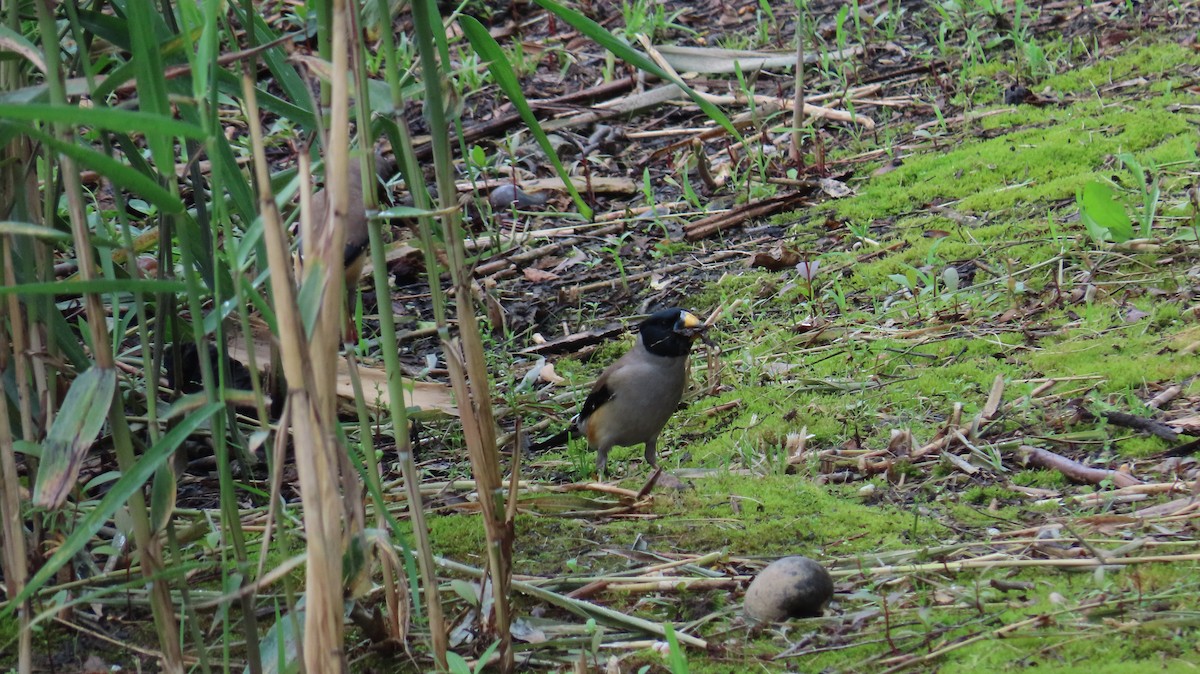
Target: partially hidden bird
(635,396)
(357,235)
(358,239)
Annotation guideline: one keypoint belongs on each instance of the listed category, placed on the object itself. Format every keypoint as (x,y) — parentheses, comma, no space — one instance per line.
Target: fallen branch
(1156,428)
(776,103)
(1073,470)
(706,227)
(991,562)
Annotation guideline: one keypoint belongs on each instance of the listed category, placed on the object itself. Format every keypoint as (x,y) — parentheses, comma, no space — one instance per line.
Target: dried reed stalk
(312,426)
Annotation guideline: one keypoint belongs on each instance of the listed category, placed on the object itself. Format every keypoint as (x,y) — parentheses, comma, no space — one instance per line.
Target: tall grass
(146,163)
(182,257)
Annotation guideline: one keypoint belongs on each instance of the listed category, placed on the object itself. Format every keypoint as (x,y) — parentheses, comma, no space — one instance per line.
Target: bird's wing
(625,372)
(600,394)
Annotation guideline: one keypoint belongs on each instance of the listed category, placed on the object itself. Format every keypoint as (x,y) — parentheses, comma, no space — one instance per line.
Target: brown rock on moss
(792,587)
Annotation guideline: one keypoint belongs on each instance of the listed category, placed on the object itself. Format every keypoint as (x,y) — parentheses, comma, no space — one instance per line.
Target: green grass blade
(503,73)
(637,59)
(276,60)
(151,83)
(99,286)
(128,121)
(8,227)
(110,168)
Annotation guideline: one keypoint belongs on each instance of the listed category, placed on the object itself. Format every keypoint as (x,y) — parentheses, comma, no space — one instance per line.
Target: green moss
(1138,446)
(1162,57)
(1121,355)
(1046,154)
(458,537)
(772,516)
(1043,479)
(902,356)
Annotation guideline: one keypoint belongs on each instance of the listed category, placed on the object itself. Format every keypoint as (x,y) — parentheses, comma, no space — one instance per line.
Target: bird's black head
(670,332)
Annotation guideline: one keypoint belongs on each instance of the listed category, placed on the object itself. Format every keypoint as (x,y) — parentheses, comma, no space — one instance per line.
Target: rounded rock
(791,587)
(504,196)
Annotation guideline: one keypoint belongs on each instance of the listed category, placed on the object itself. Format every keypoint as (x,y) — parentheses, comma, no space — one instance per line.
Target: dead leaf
(1133,315)
(604,184)
(776,259)
(887,168)
(539,276)
(523,630)
(428,398)
(576,257)
(715,60)
(836,189)
(1112,38)
(1186,425)
(72,434)
(547,374)
(95,665)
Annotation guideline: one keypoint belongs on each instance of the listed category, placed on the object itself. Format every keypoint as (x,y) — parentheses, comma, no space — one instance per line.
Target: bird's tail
(557,440)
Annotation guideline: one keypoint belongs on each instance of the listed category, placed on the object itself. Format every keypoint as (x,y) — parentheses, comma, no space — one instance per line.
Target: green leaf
(277,62)
(406,212)
(151,81)
(28,229)
(485,657)
(128,121)
(1100,211)
(121,175)
(356,566)
(457,664)
(99,286)
(312,288)
(1135,167)
(13,42)
(1148,184)
(115,499)
(231,85)
(281,645)
(676,660)
(163,496)
(622,50)
(107,27)
(502,72)
(28,448)
(467,591)
(71,435)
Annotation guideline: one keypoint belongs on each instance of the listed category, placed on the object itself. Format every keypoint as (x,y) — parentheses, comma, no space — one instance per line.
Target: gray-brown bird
(357,235)
(635,396)
(358,239)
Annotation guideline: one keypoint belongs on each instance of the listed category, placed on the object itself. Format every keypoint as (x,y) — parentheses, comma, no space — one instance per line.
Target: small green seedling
(1148,183)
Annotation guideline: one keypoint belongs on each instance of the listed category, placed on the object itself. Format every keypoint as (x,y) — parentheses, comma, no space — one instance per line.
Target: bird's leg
(601,461)
(349,329)
(652,451)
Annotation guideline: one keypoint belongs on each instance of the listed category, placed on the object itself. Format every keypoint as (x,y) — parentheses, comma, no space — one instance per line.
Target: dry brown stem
(1073,470)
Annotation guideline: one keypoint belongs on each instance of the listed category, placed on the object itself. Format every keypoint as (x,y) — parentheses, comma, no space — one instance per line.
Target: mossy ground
(896,354)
